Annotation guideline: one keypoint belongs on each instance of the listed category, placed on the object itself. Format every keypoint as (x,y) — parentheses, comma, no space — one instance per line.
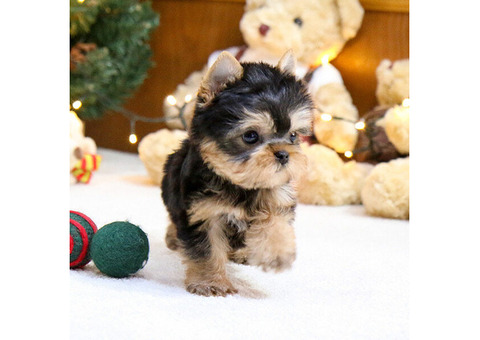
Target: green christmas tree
(109,52)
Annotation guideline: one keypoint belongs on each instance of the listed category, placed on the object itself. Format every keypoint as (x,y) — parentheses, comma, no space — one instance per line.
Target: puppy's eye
(250,137)
(298,21)
(293,137)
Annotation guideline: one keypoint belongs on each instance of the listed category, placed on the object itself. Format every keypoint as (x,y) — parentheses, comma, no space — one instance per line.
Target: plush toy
(392,81)
(392,90)
(183,99)
(396,124)
(82,229)
(328,179)
(373,145)
(316,31)
(119,249)
(83,157)
(385,192)
(83,169)
(154,149)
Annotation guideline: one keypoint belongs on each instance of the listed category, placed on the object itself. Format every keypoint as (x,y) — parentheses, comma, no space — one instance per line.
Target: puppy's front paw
(272,246)
(279,262)
(211,288)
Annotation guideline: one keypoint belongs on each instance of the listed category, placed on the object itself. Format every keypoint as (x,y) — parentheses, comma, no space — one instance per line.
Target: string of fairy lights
(363,125)
(76,106)
(360,124)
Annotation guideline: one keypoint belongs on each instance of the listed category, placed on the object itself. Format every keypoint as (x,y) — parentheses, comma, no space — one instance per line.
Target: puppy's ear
(288,63)
(226,69)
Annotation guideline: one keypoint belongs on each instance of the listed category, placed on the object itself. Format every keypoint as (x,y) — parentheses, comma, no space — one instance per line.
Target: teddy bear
(154,149)
(316,31)
(328,180)
(379,178)
(81,148)
(385,191)
(392,82)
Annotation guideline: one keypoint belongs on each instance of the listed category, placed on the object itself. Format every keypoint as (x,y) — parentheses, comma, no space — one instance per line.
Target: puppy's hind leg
(171,237)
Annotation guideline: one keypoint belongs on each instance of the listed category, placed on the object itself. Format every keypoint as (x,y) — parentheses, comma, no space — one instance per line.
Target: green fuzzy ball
(119,249)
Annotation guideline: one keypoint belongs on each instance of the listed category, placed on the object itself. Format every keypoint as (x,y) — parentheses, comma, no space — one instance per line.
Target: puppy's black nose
(282,156)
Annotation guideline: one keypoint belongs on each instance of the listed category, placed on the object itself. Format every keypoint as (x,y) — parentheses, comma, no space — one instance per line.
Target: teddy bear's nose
(264,29)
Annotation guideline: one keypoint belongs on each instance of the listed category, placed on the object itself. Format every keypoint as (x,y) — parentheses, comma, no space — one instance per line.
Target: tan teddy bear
(392,81)
(154,149)
(316,31)
(328,179)
(182,101)
(386,190)
(396,123)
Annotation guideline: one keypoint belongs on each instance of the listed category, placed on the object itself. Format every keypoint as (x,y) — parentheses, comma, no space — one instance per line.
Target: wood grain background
(190,30)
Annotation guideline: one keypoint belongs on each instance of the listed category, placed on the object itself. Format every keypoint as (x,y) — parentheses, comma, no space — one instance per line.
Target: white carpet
(350,279)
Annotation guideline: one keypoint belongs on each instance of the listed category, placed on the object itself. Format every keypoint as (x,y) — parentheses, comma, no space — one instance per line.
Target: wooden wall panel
(383,35)
(190,30)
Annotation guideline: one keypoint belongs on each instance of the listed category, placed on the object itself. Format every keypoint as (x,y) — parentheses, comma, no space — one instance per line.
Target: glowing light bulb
(77,104)
(360,125)
(325,59)
(406,102)
(171,100)
(80,1)
(132,138)
(188,98)
(348,154)
(326,117)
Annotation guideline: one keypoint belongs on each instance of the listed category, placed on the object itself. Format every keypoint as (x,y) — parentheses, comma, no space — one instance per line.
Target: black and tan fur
(229,188)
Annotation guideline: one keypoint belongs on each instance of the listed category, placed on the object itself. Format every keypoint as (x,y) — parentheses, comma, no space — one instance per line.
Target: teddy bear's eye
(298,21)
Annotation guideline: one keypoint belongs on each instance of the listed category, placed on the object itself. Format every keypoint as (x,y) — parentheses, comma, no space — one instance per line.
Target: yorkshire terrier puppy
(228,189)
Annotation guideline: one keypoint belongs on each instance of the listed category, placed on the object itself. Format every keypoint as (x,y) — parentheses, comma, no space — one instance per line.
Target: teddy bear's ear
(253,4)
(224,70)
(351,16)
(288,62)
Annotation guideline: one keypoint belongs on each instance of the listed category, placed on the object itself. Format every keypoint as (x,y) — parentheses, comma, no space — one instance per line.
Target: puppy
(228,189)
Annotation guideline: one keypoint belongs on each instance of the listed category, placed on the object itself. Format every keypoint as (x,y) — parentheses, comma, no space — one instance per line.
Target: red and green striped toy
(82,230)
(83,168)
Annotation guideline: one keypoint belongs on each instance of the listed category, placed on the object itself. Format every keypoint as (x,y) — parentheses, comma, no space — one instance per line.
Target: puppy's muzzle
(281,156)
